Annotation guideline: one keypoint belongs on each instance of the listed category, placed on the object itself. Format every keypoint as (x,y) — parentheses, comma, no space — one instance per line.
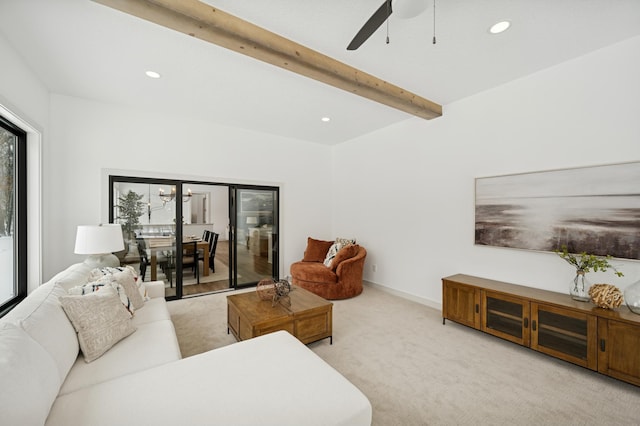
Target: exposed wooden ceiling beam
(207,23)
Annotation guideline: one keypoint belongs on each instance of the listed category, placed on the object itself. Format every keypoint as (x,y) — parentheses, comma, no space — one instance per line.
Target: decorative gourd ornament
(606,296)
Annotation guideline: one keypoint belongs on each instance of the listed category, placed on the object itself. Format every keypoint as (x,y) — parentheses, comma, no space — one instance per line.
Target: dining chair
(190,257)
(144,257)
(212,250)
(213,243)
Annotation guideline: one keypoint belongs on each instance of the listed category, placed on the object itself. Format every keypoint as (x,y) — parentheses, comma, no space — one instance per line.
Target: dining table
(159,244)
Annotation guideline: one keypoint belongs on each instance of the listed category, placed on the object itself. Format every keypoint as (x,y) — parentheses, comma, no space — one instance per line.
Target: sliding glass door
(147,211)
(226,235)
(205,225)
(256,222)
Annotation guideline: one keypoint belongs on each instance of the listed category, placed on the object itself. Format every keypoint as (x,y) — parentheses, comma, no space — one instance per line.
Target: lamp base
(102,260)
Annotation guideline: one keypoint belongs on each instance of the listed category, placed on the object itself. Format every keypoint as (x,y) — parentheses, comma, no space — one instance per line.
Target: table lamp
(99,242)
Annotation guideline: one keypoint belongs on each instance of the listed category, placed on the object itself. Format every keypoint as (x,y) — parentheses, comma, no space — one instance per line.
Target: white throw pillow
(42,317)
(100,320)
(29,380)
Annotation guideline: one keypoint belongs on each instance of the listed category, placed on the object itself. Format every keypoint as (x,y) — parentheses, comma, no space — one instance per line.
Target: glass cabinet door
(564,334)
(506,317)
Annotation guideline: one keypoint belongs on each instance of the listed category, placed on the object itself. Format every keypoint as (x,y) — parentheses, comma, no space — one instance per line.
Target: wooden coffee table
(308,317)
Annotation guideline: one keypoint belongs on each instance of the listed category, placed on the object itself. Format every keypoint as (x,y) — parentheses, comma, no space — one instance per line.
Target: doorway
(226,237)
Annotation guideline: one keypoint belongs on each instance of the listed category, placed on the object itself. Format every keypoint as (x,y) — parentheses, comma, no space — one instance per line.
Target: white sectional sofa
(142,379)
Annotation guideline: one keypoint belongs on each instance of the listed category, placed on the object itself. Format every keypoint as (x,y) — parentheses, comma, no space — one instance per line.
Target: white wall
(220,211)
(89,138)
(20,89)
(410,201)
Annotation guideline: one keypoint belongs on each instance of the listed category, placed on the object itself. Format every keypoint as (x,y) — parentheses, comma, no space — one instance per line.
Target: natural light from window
(7,215)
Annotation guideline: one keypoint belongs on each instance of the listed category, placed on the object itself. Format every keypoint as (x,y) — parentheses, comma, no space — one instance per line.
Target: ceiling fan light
(500,27)
(408,8)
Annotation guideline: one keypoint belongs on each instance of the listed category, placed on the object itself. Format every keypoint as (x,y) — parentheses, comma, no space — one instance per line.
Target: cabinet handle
(602,345)
(477,308)
(533,325)
(526,322)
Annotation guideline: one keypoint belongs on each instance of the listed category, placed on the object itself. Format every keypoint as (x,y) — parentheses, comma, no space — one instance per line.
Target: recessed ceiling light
(500,27)
(325,119)
(152,74)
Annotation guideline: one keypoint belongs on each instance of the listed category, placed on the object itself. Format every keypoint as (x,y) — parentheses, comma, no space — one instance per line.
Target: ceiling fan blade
(371,25)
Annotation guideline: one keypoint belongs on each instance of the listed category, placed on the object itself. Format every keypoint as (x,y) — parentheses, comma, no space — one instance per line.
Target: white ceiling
(81,48)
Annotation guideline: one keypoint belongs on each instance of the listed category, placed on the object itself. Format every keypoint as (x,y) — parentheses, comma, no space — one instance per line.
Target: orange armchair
(341,280)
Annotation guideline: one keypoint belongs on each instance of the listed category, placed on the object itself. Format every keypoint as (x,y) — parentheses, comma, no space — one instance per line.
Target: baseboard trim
(424,301)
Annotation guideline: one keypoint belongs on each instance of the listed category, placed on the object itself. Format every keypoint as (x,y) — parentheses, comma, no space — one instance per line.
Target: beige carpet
(416,371)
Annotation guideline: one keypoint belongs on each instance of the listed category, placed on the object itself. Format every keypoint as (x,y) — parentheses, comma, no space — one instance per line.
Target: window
(13,215)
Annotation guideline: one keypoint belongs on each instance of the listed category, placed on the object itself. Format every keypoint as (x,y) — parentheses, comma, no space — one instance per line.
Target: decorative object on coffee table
(282,293)
(276,291)
(605,296)
(632,297)
(266,289)
(583,262)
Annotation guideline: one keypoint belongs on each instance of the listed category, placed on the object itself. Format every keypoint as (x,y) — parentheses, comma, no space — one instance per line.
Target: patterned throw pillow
(121,273)
(333,250)
(128,282)
(98,273)
(100,284)
(99,319)
(345,241)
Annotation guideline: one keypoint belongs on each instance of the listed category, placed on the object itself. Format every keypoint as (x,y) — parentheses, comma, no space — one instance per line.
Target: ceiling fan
(402,8)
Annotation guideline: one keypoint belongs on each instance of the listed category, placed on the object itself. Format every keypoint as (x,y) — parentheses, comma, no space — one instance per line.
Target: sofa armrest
(155,289)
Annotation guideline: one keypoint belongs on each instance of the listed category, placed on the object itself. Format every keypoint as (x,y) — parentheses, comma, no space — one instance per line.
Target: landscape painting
(593,209)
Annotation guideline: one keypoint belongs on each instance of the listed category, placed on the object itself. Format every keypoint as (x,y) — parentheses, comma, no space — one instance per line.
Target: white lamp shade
(252,220)
(99,239)
(408,8)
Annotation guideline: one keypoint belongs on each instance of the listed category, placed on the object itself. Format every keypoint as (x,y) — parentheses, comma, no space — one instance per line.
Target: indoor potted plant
(130,208)
(583,262)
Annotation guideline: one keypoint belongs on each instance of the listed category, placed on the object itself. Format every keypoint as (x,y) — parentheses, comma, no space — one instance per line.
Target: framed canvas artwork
(594,209)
